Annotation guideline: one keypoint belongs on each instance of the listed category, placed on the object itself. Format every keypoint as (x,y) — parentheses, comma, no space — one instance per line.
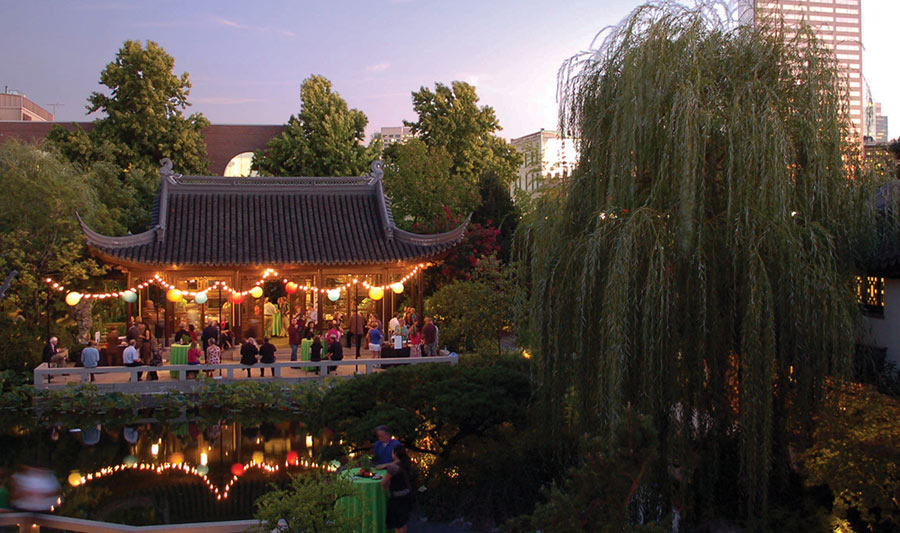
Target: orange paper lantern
(237,469)
(291,287)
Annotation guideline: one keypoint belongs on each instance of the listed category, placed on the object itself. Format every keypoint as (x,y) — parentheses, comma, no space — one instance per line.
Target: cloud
(226,100)
(378,67)
(246,27)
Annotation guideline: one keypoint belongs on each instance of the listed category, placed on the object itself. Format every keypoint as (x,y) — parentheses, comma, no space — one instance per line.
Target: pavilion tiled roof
(214,221)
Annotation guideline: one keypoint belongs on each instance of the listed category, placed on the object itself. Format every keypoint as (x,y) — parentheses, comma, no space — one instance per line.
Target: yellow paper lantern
(258,457)
(397,288)
(75,478)
(174,295)
(256,292)
(73,298)
(376,293)
(176,458)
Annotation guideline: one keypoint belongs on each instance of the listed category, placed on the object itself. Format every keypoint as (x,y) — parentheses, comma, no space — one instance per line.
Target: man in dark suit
(211,331)
(50,350)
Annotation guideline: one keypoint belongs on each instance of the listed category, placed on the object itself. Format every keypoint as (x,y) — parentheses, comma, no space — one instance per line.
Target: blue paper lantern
(334,295)
(200,297)
(130,296)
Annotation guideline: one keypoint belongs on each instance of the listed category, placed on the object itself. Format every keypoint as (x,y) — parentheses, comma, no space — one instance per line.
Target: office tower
(837,23)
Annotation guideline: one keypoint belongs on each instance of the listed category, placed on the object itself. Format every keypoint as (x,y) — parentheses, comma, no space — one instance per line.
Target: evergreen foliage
(699,264)
(323,139)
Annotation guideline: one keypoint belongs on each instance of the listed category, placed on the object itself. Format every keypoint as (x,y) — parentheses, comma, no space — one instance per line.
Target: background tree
(421,186)
(451,121)
(143,122)
(475,312)
(40,237)
(706,249)
(323,139)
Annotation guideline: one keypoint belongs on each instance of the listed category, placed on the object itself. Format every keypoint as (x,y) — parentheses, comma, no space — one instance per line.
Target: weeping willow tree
(698,266)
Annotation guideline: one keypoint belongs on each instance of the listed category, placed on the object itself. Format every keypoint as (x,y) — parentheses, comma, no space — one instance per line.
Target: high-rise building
(837,23)
(880,126)
(545,156)
(396,134)
(17,106)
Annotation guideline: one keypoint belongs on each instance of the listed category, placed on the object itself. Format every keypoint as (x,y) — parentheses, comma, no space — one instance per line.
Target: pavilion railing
(43,373)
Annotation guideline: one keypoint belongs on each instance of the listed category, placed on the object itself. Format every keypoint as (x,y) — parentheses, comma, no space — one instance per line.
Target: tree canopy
(698,265)
(323,139)
(40,237)
(143,121)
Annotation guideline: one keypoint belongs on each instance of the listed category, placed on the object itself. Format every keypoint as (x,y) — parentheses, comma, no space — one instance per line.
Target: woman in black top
(315,352)
(399,486)
(249,351)
(309,330)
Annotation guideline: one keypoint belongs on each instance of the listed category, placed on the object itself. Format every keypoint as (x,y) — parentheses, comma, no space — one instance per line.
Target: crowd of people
(405,336)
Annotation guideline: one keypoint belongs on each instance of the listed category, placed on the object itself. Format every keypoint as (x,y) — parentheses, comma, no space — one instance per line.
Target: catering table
(370,509)
(178,356)
(305,346)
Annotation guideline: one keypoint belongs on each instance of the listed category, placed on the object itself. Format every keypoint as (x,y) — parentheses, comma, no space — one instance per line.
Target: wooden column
(318,295)
(420,294)
(129,306)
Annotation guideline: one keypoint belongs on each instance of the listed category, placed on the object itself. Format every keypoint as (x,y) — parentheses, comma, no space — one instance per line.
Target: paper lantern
(129,296)
(397,287)
(130,460)
(237,469)
(376,293)
(258,457)
(176,458)
(334,294)
(256,292)
(203,470)
(236,297)
(73,298)
(292,458)
(174,295)
(201,298)
(75,478)
(291,287)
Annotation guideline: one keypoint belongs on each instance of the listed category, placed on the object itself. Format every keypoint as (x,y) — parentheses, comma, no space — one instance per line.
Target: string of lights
(174,294)
(237,470)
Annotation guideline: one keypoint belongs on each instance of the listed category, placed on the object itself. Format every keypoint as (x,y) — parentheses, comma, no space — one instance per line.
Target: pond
(149,472)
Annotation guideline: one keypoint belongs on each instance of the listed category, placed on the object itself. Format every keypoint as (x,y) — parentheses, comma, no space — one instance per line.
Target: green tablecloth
(275,326)
(305,346)
(370,509)
(178,356)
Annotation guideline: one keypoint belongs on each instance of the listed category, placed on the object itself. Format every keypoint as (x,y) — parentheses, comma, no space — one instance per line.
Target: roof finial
(166,172)
(377,169)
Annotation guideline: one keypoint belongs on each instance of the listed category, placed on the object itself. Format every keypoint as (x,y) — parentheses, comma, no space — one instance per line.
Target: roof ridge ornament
(166,172)
(377,169)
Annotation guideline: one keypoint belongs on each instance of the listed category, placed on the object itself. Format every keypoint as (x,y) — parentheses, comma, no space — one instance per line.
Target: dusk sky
(246,60)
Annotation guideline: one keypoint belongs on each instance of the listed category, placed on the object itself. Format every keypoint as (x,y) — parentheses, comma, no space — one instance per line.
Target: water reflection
(153,473)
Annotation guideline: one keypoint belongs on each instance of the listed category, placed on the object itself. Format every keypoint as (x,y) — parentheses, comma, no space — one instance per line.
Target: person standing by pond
(249,351)
(266,356)
(335,352)
(294,338)
(90,356)
(193,358)
(429,336)
(315,353)
(398,483)
(130,357)
(384,447)
(213,356)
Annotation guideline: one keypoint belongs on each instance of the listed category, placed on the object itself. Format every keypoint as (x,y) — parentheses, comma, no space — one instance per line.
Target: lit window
(870,294)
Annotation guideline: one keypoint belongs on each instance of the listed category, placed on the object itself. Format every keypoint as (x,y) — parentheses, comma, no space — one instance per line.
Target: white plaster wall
(885,332)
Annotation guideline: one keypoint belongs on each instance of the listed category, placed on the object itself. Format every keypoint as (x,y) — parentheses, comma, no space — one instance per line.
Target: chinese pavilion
(321,238)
